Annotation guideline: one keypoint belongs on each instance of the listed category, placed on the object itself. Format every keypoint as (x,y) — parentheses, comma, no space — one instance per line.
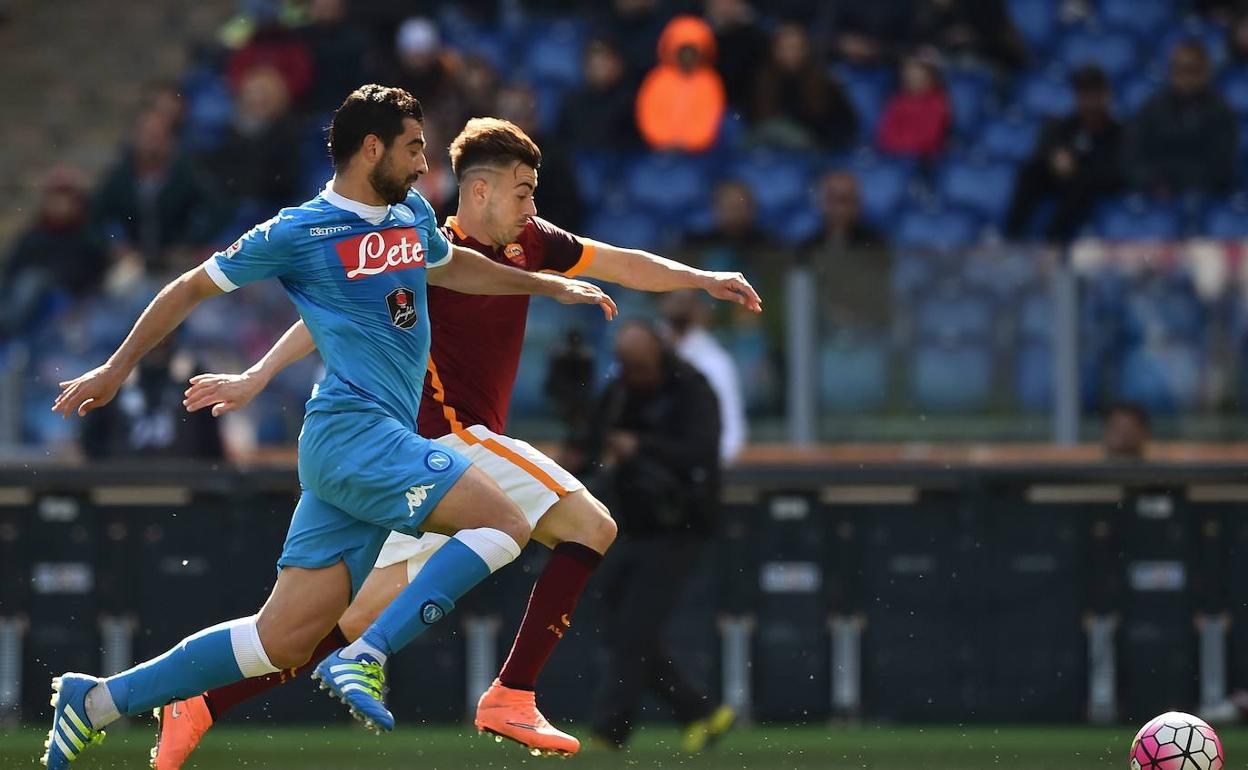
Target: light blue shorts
(363,475)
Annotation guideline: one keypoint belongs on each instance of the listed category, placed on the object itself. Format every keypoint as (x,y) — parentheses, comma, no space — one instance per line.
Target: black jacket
(672,483)
(1180,142)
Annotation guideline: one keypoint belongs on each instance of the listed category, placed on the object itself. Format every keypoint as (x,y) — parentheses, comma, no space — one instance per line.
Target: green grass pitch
(770,747)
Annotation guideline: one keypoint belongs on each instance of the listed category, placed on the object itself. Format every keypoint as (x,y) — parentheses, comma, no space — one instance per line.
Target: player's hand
(732,287)
(223,392)
(90,391)
(572,292)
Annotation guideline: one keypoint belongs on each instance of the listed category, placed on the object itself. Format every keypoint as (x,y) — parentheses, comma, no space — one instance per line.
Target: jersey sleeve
(436,244)
(262,252)
(562,252)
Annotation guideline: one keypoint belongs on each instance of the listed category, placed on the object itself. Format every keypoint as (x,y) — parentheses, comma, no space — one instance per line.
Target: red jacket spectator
(277,47)
(917,118)
(681,102)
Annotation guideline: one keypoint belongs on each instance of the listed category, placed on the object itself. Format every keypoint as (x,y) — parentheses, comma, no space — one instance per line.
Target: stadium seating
(853,377)
(1113,51)
(554,55)
(1227,219)
(1046,93)
(935,227)
(951,379)
(868,88)
(970,95)
(978,184)
(1036,21)
(1145,18)
(667,183)
(1011,137)
(779,181)
(1135,218)
(623,227)
(1034,376)
(882,183)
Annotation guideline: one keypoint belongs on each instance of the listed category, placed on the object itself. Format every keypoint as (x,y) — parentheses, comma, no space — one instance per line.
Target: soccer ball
(1176,741)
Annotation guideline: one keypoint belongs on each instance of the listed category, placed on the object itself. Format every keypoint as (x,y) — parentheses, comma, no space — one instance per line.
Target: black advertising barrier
(968,589)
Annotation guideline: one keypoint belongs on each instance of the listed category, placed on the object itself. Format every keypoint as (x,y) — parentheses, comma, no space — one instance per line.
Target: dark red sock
(554,597)
(225,698)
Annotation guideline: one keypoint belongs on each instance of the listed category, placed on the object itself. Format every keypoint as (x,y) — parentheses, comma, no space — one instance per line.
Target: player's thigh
(381,588)
(578,517)
(475,501)
(302,608)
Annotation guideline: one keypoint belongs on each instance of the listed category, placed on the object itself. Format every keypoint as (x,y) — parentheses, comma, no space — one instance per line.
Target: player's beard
(390,187)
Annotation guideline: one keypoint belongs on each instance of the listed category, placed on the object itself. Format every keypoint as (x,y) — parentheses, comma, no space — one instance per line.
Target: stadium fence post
(800,321)
(1065,351)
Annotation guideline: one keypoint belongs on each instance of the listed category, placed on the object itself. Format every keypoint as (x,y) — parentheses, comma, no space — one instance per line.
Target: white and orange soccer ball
(1176,741)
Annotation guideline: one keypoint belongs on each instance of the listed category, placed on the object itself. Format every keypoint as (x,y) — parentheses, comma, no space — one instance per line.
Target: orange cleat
(512,714)
(180,727)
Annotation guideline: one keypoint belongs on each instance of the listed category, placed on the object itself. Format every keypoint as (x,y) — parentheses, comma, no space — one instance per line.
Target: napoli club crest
(402,304)
(430,613)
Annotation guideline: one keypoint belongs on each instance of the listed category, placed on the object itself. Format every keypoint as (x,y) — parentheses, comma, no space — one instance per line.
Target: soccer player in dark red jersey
(473,360)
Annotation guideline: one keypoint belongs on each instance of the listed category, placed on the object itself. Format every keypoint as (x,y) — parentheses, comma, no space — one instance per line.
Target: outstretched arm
(471,273)
(169,309)
(231,392)
(637,269)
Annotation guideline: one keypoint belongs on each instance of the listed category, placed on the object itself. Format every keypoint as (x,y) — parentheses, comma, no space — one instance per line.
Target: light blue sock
(449,574)
(213,657)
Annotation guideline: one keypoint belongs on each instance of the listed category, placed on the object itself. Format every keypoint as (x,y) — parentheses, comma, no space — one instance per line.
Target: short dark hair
(1089,77)
(1130,409)
(492,142)
(370,109)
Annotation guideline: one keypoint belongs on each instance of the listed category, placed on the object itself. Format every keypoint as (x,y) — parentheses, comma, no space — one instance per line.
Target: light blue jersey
(356,273)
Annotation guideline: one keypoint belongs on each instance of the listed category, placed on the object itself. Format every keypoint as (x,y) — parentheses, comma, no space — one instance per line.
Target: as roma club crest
(402,304)
(514,253)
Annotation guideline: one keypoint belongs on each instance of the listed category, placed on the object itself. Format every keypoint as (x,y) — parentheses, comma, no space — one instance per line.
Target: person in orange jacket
(681,101)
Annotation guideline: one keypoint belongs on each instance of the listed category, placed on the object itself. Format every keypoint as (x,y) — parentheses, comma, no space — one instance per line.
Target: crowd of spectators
(837,85)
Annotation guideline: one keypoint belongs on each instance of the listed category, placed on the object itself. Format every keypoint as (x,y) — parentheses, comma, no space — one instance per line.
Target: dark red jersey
(476,339)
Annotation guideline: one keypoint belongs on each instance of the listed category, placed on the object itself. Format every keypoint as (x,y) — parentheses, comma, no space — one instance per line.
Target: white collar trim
(374,215)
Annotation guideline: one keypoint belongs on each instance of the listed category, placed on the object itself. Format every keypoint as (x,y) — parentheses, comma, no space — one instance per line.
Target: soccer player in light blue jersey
(355,260)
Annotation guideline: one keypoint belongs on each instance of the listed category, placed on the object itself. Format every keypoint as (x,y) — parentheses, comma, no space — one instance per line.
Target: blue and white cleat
(71,732)
(361,684)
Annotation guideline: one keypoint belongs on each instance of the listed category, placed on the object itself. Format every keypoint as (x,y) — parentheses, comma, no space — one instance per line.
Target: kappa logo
(431,613)
(416,497)
(317,232)
(234,248)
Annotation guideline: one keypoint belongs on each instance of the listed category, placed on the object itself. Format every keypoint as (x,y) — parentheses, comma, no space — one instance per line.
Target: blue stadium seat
(1131,96)
(1146,18)
(669,183)
(1234,88)
(799,223)
(853,379)
(630,229)
(868,88)
(1046,93)
(1034,377)
(1136,218)
(597,175)
(936,228)
(913,272)
(1114,51)
(951,379)
(1035,317)
(1036,21)
(955,316)
(882,183)
(978,184)
(1011,138)
(969,95)
(779,181)
(555,55)
(490,44)
(1227,218)
(209,110)
(1165,379)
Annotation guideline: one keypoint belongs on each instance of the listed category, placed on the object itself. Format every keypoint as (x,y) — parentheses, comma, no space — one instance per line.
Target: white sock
(249,652)
(360,647)
(101,710)
(495,547)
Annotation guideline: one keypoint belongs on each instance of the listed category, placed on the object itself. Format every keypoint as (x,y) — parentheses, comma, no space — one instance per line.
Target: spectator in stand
(633,26)
(58,253)
(740,41)
(868,33)
(1077,161)
(977,29)
(477,91)
(421,65)
(796,103)
(599,114)
(153,201)
(165,99)
(852,261)
(1183,138)
(254,165)
(340,54)
(681,102)
(1127,432)
(686,314)
(276,45)
(917,118)
(735,238)
(560,197)
(149,420)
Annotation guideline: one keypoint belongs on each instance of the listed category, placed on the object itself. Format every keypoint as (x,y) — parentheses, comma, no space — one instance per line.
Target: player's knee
(599,529)
(288,653)
(512,522)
